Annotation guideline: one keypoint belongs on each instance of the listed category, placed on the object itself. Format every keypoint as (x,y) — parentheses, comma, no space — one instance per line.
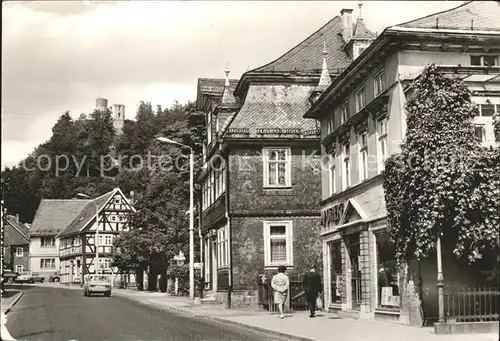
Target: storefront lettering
(332,215)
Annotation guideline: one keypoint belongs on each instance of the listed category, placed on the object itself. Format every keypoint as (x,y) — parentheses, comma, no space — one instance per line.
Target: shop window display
(387,273)
(336,277)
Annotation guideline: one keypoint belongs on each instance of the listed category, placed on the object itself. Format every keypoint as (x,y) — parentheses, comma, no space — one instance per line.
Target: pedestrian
(312,288)
(280,285)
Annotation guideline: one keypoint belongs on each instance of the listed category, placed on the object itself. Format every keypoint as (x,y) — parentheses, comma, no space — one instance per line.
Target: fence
(471,304)
(296,296)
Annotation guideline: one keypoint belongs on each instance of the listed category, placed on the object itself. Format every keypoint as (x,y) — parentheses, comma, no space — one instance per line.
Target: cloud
(61,56)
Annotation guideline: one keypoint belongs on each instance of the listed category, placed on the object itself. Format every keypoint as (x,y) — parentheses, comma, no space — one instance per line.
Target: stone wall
(248,248)
(248,195)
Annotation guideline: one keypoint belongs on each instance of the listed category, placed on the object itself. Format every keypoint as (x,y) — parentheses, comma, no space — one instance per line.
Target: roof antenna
(472,24)
(360,4)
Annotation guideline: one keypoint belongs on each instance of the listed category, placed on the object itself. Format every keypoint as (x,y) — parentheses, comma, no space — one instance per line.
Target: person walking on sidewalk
(280,285)
(312,288)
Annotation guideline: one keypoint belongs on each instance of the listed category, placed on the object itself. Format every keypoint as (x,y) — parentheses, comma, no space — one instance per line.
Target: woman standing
(280,284)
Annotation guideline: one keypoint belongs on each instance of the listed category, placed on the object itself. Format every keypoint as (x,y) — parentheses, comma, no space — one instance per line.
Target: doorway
(354,250)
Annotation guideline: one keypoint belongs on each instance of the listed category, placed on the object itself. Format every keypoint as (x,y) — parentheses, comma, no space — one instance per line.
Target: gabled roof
(305,56)
(275,106)
(23,229)
(475,15)
(19,235)
(53,215)
(87,214)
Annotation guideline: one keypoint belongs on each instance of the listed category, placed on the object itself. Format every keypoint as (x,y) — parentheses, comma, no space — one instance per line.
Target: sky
(59,55)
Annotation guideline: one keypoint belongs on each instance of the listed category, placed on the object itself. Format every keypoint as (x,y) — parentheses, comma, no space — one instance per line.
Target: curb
(258,329)
(221,320)
(18,297)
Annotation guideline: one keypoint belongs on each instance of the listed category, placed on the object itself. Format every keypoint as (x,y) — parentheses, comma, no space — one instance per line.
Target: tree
(431,186)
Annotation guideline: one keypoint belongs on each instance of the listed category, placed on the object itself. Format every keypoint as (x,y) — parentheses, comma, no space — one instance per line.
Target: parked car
(6,276)
(54,277)
(97,284)
(9,275)
(30,278)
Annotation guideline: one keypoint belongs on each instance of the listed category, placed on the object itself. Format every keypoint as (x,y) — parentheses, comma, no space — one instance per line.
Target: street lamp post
(96,242)
(191,212)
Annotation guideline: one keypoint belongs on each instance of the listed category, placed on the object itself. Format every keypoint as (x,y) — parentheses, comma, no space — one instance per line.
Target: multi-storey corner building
(362,120)
(261,180)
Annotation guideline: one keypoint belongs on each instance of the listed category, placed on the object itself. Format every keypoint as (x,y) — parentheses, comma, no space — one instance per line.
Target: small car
(97,284)
(30,278)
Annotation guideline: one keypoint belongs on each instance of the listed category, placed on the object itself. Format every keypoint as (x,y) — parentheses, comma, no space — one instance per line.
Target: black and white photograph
(250,170)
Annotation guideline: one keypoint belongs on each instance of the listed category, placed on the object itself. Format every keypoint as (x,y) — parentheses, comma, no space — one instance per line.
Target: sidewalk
(298,326)
(9,298)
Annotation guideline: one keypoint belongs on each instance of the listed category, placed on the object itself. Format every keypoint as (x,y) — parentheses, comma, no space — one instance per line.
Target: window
(387,273)
(108,239)
(118,201)
(335,271)
(483,60)
(47,263)
(480,132)
(19,252)
(48,241)
(100,240)
(209,128)
(330,126)
(346,153)
(488,109)
(104,263)
(224,172)
(19,268)
(382,141)
(344,113)
(360,99)
(278,240)
(113,218)
(332,175)
(223,247)
(379,82)
(212,188)
(277,167)
(363,155)
(207,252)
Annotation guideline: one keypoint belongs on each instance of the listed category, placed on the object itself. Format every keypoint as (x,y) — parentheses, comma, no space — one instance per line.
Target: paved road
(62,314)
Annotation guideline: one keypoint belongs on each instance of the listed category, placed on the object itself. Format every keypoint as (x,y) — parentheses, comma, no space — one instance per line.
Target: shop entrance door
(354,254)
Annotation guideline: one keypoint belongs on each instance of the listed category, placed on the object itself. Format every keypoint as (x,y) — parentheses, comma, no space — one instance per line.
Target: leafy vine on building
(443,181)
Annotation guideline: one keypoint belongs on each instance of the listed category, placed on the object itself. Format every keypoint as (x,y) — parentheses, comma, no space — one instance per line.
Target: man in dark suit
(312,288)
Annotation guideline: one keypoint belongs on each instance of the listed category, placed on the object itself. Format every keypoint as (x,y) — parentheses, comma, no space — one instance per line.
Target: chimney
(346,15)
(17,218)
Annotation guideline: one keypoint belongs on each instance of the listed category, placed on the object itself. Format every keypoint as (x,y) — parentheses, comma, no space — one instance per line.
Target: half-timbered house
(108,214)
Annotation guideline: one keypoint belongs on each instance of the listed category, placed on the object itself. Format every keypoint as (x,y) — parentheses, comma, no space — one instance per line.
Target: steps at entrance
(210,299)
